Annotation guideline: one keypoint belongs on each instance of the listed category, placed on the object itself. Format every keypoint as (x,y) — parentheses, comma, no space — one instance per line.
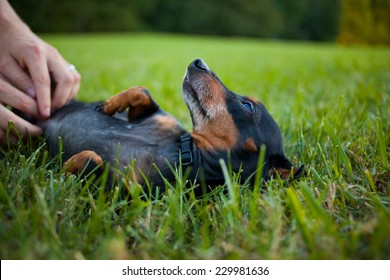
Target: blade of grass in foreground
(323,220)
(381,143)
(228,180)
(340,150)
(299,215)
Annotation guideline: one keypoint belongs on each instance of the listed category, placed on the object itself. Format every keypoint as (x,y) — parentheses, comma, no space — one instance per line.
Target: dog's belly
(152,140)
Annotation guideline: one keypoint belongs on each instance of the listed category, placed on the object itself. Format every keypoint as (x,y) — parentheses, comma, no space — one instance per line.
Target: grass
(331,103)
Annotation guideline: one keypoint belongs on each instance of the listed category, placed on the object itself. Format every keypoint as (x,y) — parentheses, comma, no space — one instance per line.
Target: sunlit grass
(332,105)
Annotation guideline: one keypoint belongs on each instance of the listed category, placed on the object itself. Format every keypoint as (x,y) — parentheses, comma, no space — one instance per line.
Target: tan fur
(167,123)
(250,145)
(220,133)
(77,163)
(251,98)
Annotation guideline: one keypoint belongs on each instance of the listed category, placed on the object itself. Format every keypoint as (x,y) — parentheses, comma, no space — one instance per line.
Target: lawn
(332,104)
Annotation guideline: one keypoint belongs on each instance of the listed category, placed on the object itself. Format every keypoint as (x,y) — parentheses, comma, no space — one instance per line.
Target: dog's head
(224,121)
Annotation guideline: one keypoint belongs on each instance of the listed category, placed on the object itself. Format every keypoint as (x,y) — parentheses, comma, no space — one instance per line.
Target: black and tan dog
(225,126)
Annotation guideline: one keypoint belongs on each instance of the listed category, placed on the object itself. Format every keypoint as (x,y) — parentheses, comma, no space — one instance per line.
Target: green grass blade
(381,143)
(259,169)
(340,150)
(298,213)
(228,182)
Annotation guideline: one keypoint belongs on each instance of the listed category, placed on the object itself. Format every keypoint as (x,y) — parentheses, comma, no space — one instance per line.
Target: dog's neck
(203,165)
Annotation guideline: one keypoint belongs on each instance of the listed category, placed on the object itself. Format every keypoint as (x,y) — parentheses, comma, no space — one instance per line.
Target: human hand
(27,65)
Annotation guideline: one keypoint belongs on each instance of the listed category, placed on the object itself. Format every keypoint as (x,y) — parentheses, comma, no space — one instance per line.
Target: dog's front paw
(136,99)
(117,103)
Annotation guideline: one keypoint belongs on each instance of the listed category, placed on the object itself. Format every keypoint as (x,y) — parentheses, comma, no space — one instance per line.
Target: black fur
(120,141)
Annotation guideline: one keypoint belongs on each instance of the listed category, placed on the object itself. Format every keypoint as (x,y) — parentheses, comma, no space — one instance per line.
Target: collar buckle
(186,150)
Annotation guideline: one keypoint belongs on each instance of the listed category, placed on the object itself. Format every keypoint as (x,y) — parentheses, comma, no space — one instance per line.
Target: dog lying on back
(226,126)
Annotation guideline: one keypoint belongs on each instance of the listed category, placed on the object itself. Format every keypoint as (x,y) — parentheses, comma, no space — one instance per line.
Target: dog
(226,126)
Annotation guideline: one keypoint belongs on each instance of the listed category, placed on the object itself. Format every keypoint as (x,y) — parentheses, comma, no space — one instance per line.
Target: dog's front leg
(136,99)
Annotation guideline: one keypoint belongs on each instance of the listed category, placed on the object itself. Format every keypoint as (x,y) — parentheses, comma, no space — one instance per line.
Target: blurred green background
(345,21)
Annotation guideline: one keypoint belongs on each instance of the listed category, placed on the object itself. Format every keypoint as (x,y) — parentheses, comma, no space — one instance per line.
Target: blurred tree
(323,20)
(294,14)
(284,19)
(365,21)
(78,16)
(222,17)
(310,19)
(356,19)
(381,22)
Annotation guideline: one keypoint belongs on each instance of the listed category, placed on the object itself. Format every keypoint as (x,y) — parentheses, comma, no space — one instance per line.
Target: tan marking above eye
(251,98)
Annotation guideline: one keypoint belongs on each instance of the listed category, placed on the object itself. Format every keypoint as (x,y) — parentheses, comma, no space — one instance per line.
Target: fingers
(17,76)
(21,125)
(67,82)
(38,69)
(25,69)
(76,86)
(15,98)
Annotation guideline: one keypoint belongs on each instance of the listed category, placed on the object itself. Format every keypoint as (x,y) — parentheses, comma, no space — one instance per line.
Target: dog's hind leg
(83,162)
(136,99)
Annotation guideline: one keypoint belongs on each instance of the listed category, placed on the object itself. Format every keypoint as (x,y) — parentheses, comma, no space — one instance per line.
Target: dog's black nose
(199,63)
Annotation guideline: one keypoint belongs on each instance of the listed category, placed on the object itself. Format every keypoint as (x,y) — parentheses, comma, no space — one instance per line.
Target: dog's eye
(247,105)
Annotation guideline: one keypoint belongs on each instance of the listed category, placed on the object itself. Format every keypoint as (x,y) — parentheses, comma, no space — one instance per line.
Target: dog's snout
(200,64)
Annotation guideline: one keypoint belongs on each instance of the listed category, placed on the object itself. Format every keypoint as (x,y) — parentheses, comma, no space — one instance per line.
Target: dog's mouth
(193,82)
(203,92)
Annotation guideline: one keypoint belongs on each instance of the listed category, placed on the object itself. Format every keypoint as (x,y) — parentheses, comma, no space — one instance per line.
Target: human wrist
(9,20)
(7,14)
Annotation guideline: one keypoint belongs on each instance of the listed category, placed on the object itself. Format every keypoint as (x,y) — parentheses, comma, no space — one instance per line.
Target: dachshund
(130,129)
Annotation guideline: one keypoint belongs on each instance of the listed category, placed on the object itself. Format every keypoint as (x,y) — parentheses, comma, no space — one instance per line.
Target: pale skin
(26,64)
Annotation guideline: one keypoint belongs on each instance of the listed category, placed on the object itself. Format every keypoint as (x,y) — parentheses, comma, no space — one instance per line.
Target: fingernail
(30,92)
(46,112)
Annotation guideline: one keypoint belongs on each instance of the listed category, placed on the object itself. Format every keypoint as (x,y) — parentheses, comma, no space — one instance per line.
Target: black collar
(186,154)
(192,160)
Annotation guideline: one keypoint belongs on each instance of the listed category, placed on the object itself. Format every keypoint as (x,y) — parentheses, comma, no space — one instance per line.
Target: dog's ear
(281,167)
